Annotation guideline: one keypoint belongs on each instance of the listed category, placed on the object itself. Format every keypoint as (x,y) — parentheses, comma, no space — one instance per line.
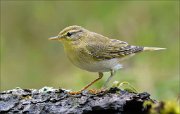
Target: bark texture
(59,101)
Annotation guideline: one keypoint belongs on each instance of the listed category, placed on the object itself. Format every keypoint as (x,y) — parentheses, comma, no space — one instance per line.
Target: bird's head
(70,34)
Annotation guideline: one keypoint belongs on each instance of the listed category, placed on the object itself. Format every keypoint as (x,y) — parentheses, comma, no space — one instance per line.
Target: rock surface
(59,101)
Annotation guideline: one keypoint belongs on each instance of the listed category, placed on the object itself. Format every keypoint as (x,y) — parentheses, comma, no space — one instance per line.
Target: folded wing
(110,49)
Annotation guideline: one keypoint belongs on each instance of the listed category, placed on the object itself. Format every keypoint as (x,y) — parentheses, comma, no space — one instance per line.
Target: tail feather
(153,48)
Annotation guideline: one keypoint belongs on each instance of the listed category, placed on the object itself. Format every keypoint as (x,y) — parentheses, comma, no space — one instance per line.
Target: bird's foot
(74,92)
(96,91)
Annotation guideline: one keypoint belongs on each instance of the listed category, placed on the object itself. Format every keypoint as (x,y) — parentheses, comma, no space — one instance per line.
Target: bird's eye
(69,34)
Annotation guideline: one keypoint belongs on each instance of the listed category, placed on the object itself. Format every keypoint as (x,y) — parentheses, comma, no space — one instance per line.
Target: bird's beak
(55,38)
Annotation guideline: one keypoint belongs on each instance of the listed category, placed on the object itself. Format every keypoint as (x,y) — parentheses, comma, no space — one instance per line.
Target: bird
(94,52)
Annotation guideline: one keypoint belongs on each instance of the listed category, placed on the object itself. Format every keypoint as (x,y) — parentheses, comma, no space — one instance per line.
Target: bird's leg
(110,77)
(77,92)
(100,76)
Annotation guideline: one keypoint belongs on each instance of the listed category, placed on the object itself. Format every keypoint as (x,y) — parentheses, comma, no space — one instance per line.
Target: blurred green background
(29,60)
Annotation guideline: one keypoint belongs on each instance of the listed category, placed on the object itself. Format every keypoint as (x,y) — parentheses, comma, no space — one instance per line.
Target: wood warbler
(94,52)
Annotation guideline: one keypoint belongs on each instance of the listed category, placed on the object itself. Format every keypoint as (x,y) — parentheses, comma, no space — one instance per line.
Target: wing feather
(108,50)
(103,48)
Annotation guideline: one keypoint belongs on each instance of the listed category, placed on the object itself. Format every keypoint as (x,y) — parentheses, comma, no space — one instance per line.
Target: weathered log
(59,101)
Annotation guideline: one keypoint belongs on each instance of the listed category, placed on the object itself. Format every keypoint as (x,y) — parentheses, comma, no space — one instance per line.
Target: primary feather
(103,48)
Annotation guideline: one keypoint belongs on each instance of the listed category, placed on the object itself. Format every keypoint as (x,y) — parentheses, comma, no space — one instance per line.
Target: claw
(74,92)
(96,91)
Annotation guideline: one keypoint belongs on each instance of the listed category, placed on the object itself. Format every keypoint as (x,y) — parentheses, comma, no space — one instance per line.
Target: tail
(152,48)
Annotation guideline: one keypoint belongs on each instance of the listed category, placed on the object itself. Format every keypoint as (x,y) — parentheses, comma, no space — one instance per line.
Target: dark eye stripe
(71,33)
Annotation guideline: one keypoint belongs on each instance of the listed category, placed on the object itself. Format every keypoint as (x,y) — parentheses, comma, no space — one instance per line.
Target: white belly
(101,66)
